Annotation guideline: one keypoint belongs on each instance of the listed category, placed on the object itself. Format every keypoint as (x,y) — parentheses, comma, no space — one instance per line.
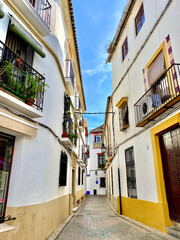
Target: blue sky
(96,23)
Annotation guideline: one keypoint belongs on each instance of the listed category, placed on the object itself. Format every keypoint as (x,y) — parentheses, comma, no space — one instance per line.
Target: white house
(96,163)
(143,174)
(41,101)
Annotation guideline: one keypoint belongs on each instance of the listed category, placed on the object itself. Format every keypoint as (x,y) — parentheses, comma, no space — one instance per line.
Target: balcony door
(170,153)
(6,153)
(17,45)
(160,90)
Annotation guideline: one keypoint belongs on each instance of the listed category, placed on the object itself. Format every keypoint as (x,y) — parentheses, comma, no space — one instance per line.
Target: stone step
(173,231)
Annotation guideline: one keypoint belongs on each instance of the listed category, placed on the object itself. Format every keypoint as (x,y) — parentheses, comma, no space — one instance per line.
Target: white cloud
(100,68)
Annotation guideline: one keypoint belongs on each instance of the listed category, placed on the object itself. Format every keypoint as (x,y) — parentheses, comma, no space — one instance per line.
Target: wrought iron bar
(43,8)
(159,93)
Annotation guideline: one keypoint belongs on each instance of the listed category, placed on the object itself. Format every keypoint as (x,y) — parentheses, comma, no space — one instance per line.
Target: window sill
(5,228)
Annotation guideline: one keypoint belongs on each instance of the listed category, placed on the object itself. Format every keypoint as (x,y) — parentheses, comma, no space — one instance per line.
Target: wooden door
(170,152)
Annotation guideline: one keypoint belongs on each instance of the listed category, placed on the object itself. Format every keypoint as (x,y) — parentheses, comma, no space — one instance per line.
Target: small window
(102,182)
(131,174)
(82,177)
(79,176)
(123,116)
(63,170)
(101,161)
(124,49)
(97,138)
(140,19)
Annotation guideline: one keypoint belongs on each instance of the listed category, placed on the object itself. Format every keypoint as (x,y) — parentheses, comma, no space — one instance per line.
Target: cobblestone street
(95,220)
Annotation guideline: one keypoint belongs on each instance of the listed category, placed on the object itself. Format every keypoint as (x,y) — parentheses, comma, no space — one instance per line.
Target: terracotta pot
(30,101)
(64,135)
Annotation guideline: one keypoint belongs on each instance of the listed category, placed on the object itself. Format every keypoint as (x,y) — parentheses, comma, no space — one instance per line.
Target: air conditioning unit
(145,107)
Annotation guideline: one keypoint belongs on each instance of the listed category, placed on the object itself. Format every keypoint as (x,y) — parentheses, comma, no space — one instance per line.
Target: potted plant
(72,135)
(33,87)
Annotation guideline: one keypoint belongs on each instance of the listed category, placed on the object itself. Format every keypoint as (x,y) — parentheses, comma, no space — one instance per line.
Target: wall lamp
(103,148)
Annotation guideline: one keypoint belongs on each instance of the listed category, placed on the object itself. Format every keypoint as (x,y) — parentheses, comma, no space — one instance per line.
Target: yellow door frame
(161,191)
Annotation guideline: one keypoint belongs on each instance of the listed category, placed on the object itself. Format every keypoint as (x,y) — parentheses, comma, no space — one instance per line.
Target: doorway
(170,153)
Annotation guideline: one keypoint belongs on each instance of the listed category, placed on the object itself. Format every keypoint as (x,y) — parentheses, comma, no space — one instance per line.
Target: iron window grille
(79,175)
(63,169)
(125,49)
(123,116)
(82,177)
(102,182)
(101,161)
(140,19)
(131,174)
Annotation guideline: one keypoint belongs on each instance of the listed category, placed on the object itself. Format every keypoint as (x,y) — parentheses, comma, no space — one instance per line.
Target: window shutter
(29,55)
(156,69)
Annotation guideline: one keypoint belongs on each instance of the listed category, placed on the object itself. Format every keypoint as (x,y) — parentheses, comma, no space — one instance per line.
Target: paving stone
(95,220)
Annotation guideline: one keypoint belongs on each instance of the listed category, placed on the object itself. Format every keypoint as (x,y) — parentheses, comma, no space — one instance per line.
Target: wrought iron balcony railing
(159,96)
(20,79)
(43,8)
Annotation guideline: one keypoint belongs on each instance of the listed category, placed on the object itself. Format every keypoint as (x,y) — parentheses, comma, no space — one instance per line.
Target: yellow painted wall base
(37,222)
(148,213)
(80,195)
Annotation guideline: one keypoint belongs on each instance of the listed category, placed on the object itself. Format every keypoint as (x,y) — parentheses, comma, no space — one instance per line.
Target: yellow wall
(149,213)
(155,215)
(80,195)
(37,222)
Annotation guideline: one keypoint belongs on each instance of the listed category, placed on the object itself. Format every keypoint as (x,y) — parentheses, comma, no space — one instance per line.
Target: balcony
(20,81)
(160,97)
(37,12)
(69,138)
(43,8)
(69,76)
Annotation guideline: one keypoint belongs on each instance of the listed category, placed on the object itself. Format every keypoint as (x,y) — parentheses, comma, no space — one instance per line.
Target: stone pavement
(95,220)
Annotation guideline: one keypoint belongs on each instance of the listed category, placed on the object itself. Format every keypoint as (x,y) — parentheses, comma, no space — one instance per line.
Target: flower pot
(65,135)
(30,101)
(19,63)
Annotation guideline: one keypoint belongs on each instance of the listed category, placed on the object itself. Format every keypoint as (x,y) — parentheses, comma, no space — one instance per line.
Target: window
(131,174)
(102,182)
(82,177)
(123,116)
(20,47)
(160,90)
(79,176)
(140,19)
(63,169)
(97,138)
(124,49)
(101,161)
(6,152)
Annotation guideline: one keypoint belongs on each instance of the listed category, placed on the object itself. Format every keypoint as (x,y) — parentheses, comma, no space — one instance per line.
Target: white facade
(94,171)
(130,79)
(34,179)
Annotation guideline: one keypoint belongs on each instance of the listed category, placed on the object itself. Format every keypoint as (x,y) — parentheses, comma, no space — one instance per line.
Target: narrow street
(95,220)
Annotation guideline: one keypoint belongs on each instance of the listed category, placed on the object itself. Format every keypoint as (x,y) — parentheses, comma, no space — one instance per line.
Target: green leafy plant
(34,86)
(72,135)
